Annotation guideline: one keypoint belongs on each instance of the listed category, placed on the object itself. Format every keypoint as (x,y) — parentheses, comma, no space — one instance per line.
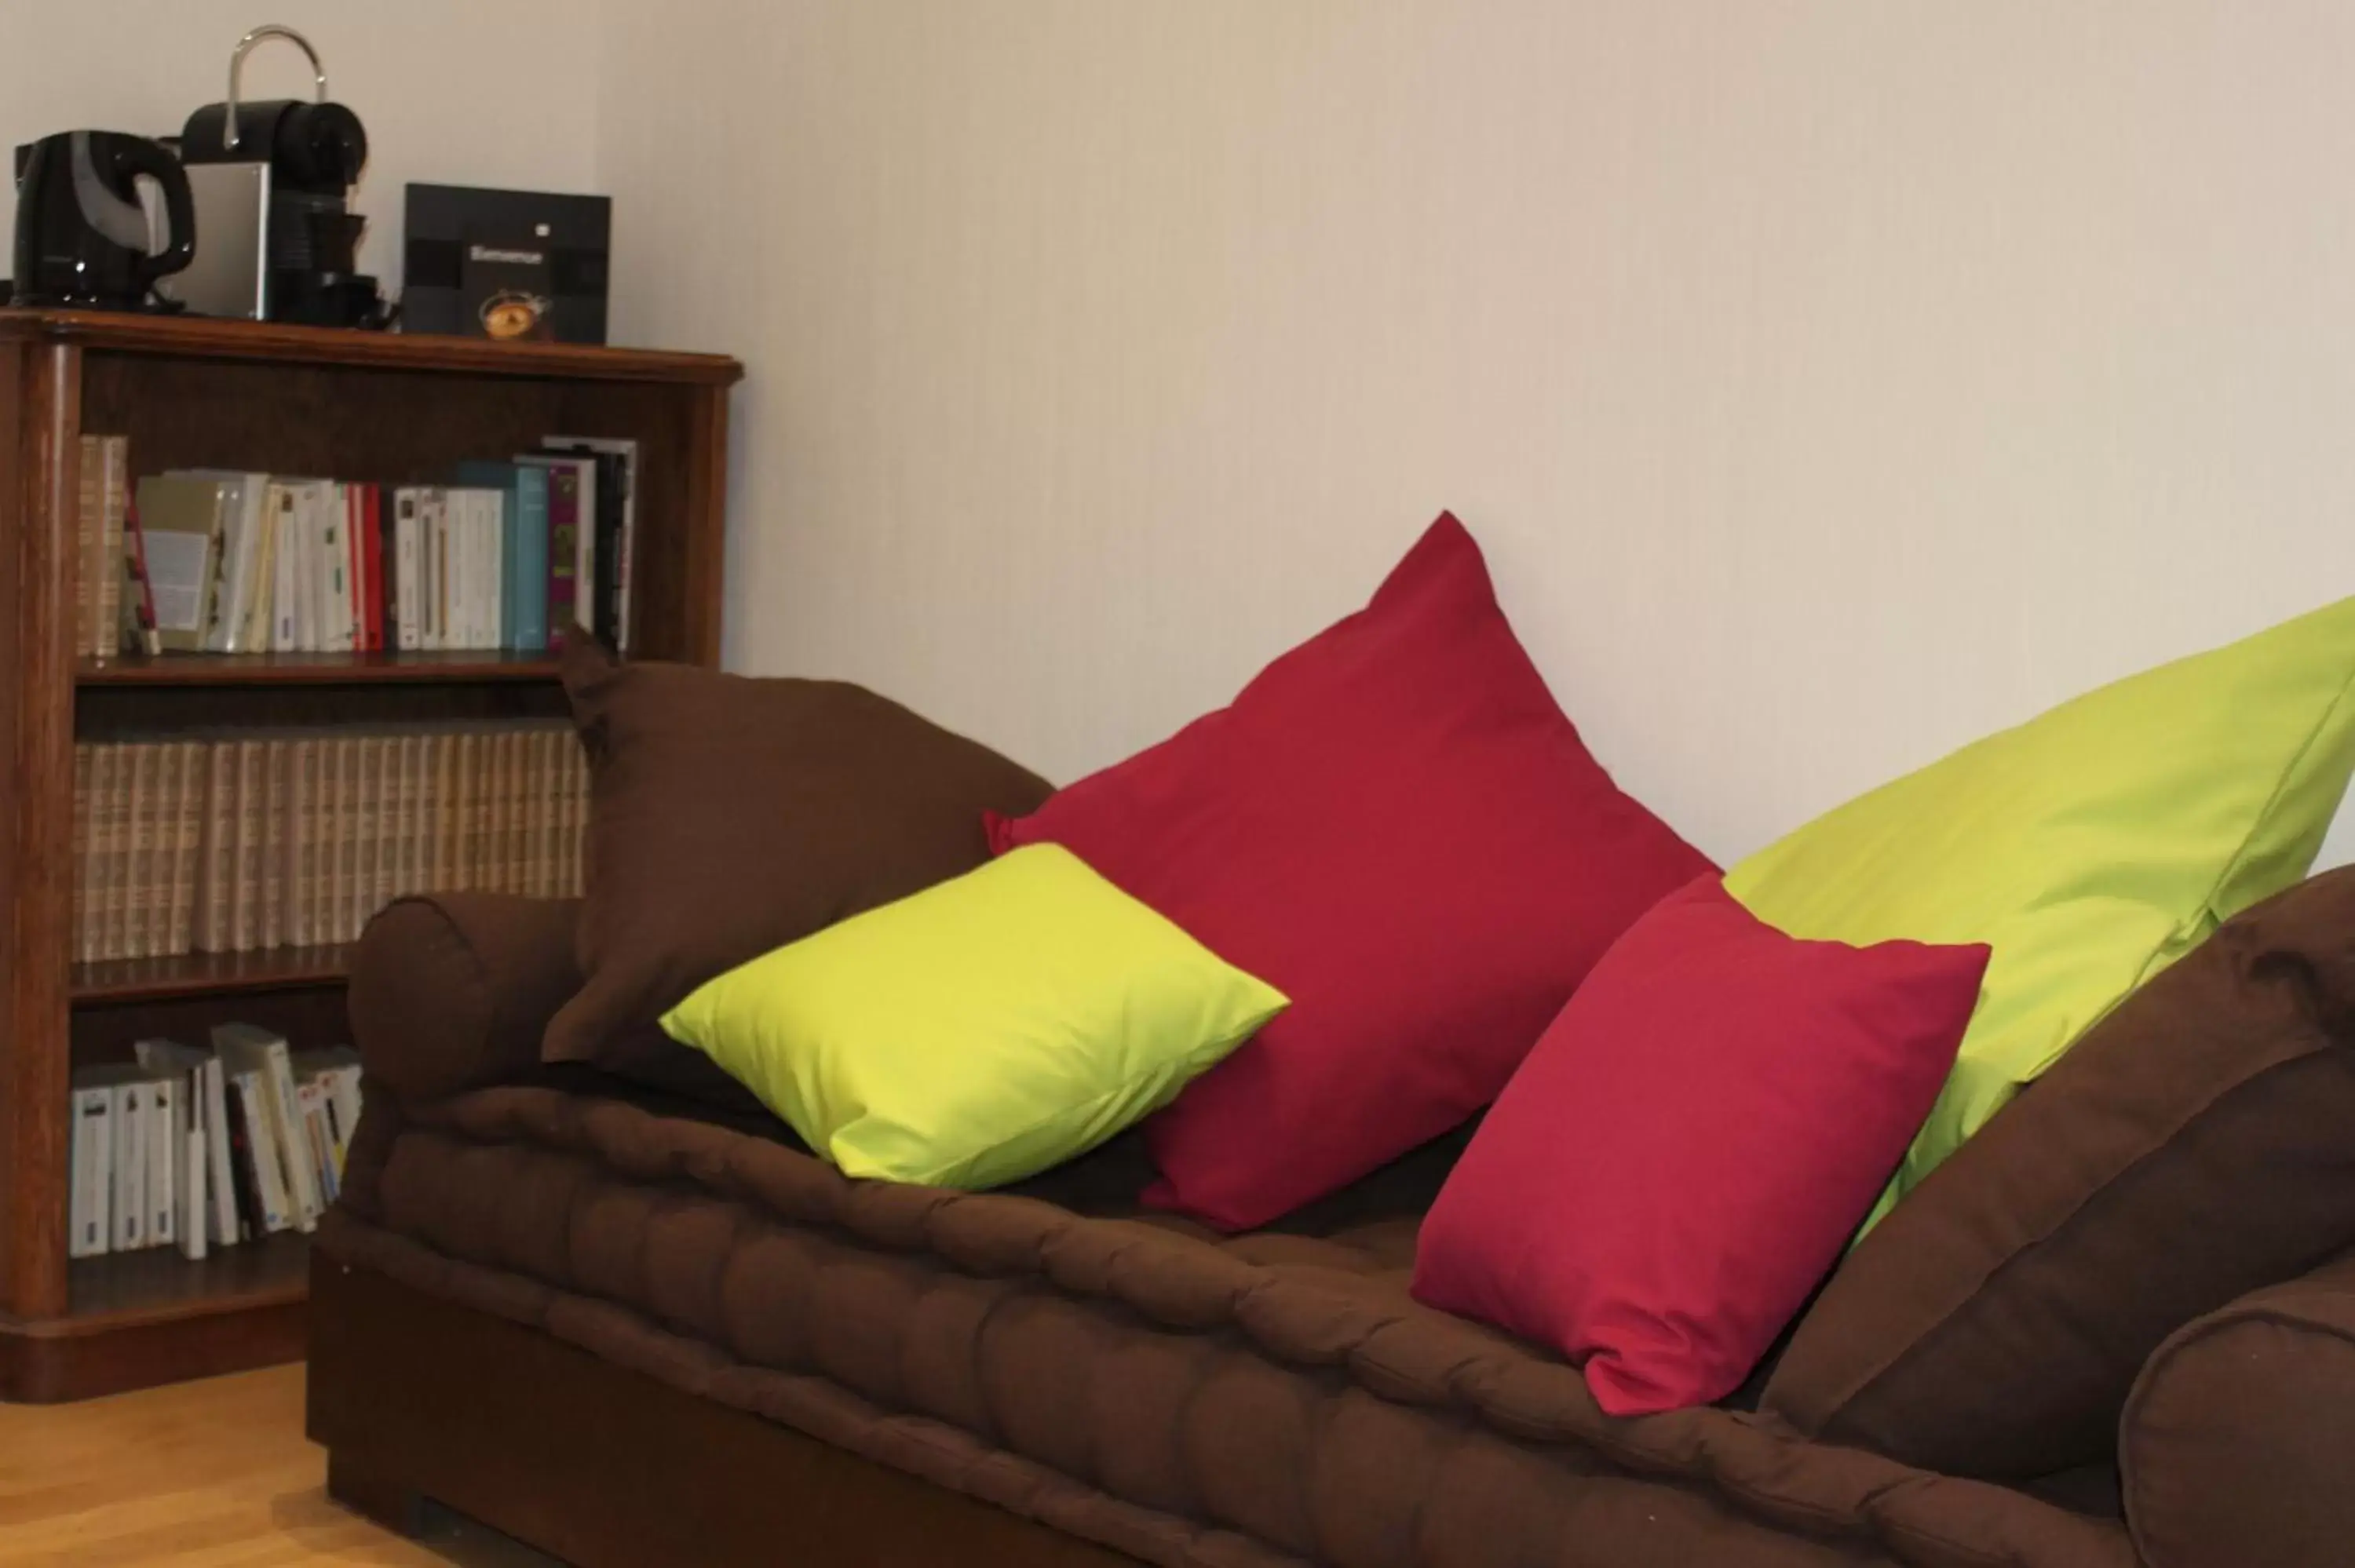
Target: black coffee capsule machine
(273,184)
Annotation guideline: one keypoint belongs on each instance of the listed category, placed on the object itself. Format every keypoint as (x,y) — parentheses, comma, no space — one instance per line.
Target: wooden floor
(200,1474)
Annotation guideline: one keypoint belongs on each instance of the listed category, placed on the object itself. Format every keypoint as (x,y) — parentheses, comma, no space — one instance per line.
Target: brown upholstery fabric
(730,816)
(1258,1400)
(2193,1147)
(2239,1436)
(453,990)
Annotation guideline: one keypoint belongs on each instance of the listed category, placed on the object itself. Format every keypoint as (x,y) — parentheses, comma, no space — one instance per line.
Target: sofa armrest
(451,991)
(2236,1444)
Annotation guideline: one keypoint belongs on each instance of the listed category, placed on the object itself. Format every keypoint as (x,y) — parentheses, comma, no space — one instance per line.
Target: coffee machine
(83,237)
(272,182)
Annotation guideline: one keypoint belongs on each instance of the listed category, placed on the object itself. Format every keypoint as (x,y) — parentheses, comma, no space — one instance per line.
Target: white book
(248,1047)
(310,1097)
(90,1210)
(243,498)
(331,603)
(165,1158)
(285,548)
(433,576)
(408,602)
(194,1214)
(207,1118)
(495,568)
(336,1071)
(261,1146)
(129,1167)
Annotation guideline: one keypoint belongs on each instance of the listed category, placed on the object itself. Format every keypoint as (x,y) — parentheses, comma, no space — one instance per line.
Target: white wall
(1829,382)
(489,94)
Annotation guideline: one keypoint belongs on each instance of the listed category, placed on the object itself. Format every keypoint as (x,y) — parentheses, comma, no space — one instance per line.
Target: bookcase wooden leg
(376,1497)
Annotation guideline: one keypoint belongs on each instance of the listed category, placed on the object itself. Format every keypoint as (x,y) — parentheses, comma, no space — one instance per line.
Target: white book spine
(90,1210)
(223,1184)
(268,1180)
(302,1186)
(163,1162)
(194,1159)
(405,592)
(286,532)
(130,1198)
(433,524)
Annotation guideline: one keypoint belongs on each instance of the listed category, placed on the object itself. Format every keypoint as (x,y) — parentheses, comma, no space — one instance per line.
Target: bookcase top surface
(202,337)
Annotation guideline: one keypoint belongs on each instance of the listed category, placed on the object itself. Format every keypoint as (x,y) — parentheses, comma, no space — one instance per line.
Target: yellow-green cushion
(2089,847)
(980,1031)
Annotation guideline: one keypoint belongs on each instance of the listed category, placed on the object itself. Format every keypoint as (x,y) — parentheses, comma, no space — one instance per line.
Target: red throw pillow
(1688,1147)
(1395,826)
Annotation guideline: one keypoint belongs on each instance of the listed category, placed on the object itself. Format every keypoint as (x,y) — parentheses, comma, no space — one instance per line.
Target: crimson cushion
(1684,1154)
(1395,826)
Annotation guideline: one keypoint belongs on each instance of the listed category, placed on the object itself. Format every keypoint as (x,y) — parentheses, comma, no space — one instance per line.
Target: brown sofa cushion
(729,816)
(1259,1401)
(2236,1440)
(451,992)
(2193,1147)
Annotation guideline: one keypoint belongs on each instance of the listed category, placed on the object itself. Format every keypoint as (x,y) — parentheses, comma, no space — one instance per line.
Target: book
(250,1048)
(90,1209)
(181,520)
(408,566)
(114,500)
(624,479)
(139,633)
(368,572)
(283,542)
(164,1156)
(235,628)
(571,541)
(208,1208)
(90,536)
(262,1191)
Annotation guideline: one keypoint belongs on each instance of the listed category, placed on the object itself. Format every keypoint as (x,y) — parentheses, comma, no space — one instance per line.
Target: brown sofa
(634,1325)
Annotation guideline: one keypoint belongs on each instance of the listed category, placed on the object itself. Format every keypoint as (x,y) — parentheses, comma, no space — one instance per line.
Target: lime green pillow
(980,1031)
(2090,847)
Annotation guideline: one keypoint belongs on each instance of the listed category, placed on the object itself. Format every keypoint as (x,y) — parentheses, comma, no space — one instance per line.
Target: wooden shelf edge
(210,974)
(215,338)
(455,668)
(40,1364)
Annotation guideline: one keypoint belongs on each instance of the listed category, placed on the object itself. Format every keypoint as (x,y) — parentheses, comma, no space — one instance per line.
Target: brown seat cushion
(2236,1440)
(729,816)
(2193,1147)
(1259,1401)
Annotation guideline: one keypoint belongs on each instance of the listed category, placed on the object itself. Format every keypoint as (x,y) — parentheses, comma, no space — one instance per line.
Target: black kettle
(82,234)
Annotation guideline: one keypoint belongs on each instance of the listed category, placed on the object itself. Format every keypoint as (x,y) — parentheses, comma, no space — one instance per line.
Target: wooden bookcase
(296,401)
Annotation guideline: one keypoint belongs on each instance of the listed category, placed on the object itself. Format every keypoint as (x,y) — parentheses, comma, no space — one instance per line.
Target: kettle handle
(137,155)
(237,67)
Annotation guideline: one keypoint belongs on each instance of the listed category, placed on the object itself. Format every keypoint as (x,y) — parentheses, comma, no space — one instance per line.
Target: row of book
(224,842)
(504,557)
(203,1147)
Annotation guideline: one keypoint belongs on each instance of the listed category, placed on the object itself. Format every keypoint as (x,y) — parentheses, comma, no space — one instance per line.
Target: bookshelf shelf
(210,974)
(316,669)
(248,396)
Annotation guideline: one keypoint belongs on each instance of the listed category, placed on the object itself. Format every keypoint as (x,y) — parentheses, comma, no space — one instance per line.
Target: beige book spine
(361,783)
(158,847)
(505,797)
(90,538)
(417,855)
(113,817)
(471,813)
(244,922)
(195,771)
(293,840)
(329,875)
(131,862)
(448,814)
(115,463)
(397,818)
(216,859)
(568,846)
(387,833)
(537,859)
(277,818)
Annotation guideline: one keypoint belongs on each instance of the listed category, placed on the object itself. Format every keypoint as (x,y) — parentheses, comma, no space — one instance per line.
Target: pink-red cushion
(1685,1151)
(1395,826)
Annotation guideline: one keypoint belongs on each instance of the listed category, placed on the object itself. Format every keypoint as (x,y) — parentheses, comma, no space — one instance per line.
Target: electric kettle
(81,233)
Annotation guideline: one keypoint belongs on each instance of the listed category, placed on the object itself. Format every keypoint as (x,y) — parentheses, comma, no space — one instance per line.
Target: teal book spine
(527,560)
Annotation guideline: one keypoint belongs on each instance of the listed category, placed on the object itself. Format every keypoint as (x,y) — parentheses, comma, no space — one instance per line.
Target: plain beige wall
(502,93)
